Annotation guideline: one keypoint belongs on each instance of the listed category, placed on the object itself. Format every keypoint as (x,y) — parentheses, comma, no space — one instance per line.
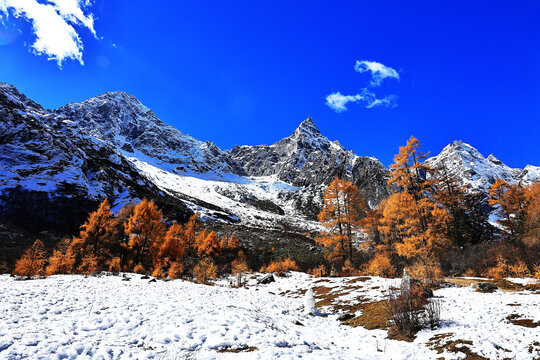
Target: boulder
(486,287)
(267,279)
(345,316)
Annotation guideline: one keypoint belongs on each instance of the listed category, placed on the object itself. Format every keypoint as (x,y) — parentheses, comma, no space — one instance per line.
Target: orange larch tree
(210,245)
(93,245)
(342,210)
(145,229)
(412,220)
(33,261)
(531,236)
(511,205)
(173,247)
(62,260)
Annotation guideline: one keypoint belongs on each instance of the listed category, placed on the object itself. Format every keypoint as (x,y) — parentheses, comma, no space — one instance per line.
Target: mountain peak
(492,159)
(9,94)
(307,129)
(308,123)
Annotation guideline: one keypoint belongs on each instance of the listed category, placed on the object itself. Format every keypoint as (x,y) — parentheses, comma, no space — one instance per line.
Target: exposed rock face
(470,168)
(307,159)
(51,175)
(122,120)
(113,146)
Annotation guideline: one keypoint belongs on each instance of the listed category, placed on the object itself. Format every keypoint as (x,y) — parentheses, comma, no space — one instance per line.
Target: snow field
(77,317)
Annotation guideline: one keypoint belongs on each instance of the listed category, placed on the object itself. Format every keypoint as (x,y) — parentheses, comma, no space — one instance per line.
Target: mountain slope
(51,175)
(307,158)
(123,121)
(113,146)
(471,169)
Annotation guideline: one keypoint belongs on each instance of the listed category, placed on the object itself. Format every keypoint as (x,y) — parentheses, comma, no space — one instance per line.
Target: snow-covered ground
(77,317)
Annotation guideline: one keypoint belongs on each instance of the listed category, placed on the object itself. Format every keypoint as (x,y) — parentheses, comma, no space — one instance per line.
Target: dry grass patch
(503,285)
(375,315)
(239,350)
(515,319)
(440,343)
(358,279)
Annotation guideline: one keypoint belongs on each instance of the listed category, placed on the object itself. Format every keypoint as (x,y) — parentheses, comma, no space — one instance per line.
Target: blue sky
(250,72)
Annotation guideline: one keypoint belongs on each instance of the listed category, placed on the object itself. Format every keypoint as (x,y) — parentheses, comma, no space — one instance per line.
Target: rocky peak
(124,121)
(309,136)
(492,159)
(12,97)
(467,165)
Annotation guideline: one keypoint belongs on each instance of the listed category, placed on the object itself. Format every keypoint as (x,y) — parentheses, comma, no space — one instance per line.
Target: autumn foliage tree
(412,220)
(146,231)
(531,235)
(33,261)
(62,260)
(93,245)
(343,208)
(510,202)
(209,245)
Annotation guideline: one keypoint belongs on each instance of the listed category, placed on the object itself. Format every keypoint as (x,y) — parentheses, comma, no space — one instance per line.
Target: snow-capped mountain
(52,175)
(309,159)
(113,146)
(228,183)
(471,169)
(122,120)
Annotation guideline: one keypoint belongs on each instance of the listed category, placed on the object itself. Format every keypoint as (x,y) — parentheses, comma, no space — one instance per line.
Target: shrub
(176,270)
(158,272)
(470,273)
(433,313)
(33,261)
(405,306)
(519,269)
(205,270)
(280,266)
(500,270)
(349,269)
(115,265)
(381,265)
(239,267)
(426,270)
(536,272)
(139,269)
(319,271)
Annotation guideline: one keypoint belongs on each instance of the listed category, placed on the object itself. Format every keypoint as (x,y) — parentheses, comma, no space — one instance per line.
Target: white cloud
(378,71)
(337,102)
(388,101)
(53,23)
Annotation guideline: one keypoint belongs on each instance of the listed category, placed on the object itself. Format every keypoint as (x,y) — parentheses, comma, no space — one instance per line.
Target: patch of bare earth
(442,342)
(238,350)
(502,284)
(517,320)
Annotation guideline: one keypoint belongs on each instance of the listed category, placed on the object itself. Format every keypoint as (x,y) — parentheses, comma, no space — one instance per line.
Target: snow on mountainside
(51,173)
(466,164)
(122,120)
(307,158)
(306,161)
(112,145)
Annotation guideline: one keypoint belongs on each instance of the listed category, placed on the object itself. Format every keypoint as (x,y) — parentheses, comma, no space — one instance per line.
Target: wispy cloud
(53,25)
(338,102)
(378,71)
